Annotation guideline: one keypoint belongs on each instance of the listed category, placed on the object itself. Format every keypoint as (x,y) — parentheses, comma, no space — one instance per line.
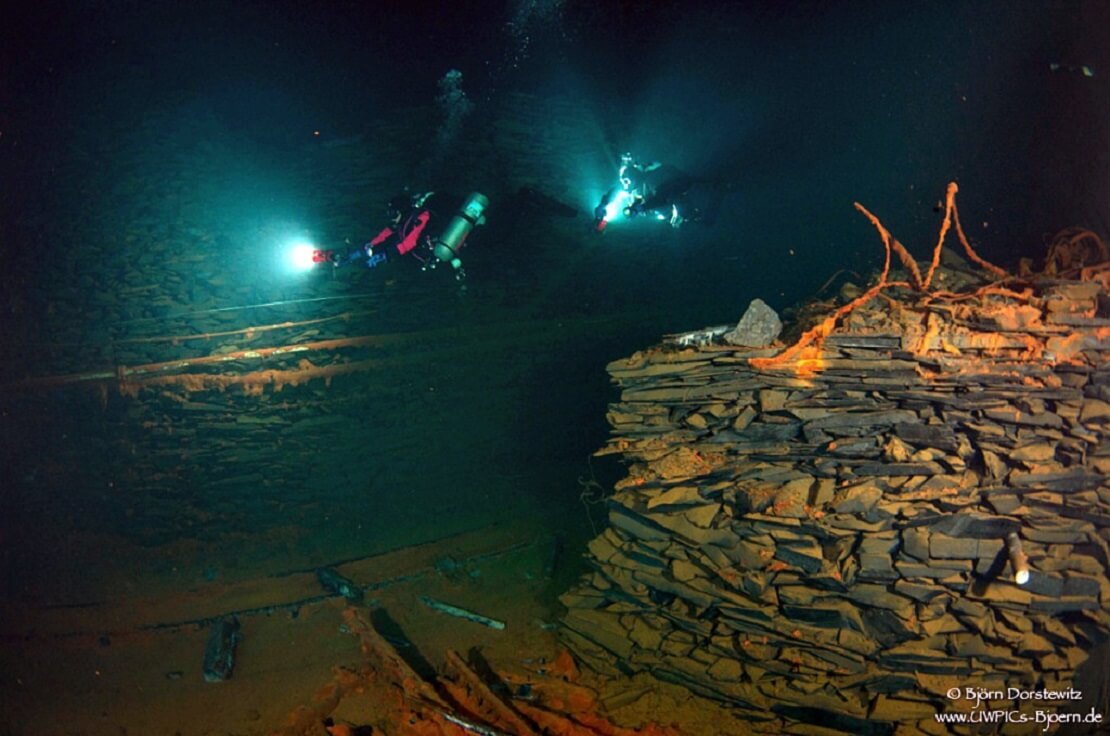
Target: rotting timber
(819,533)
(467,698)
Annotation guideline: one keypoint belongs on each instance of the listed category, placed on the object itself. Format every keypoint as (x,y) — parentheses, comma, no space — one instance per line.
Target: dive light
(304,256)
(611,205)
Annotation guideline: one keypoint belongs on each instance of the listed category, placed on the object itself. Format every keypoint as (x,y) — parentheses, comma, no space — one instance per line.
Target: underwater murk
(550,367)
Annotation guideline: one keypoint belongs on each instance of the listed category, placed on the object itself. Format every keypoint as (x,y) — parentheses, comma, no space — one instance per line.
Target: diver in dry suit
(424,227)
(661,191)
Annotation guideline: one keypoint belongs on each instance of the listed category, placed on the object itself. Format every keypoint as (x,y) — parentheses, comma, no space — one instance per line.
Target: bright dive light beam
(616,205)
(300,256)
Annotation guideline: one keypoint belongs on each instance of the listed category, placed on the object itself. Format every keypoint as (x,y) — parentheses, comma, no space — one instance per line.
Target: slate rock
(876,567)
(764,431)
(936,569)
(702,516)
(805,557)
(917,591)
(1064,605)
(1032,645)
(838,539)
(684,571)
(899,469)
(1037,452)
(926,435)
(1011,415)
(601,628)
(885,627)
(759,327)
(915,542)
(1076,585)
(1066,480)
(790,500)
(744,418)
(996,468)
(725,669)
(772,399)
(643,634)
(863,419)
(857,500)
(1094,411)
(974,524)
(833,614)
(901,710)
(879,597)
(1042,584)
(969,608)
(945,547)
(676,496)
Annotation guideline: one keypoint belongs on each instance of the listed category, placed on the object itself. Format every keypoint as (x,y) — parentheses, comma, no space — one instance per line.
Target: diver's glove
(346,258)
(373,256)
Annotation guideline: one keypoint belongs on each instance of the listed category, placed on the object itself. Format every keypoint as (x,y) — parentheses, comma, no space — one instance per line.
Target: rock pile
(824,538)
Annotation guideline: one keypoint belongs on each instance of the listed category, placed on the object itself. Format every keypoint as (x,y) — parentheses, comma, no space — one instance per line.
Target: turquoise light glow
(616,205)
(300,255)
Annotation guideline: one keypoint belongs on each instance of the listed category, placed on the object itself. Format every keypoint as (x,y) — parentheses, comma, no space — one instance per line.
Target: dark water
(158,158)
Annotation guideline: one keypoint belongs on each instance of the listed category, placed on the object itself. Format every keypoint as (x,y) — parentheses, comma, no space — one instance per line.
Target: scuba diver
(659,190)
(419,228)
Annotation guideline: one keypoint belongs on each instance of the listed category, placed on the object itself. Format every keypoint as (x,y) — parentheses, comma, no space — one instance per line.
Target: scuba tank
(446,245)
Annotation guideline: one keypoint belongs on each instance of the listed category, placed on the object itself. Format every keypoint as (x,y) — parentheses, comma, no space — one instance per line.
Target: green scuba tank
(447,244)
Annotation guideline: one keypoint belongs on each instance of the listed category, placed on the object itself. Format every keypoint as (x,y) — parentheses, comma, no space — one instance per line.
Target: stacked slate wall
(832,548)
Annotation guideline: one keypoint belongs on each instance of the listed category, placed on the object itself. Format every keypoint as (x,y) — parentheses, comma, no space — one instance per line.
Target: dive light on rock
(1018,560)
